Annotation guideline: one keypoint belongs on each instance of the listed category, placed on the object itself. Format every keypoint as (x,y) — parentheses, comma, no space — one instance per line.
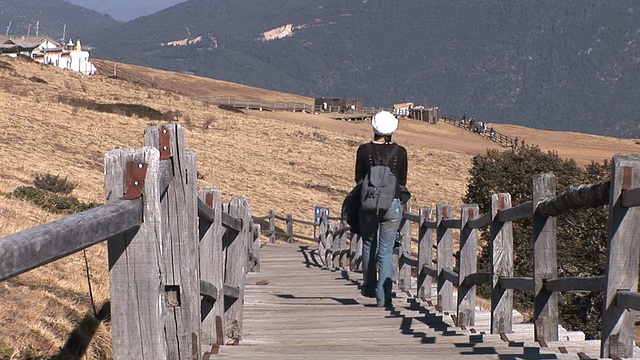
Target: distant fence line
(495,136)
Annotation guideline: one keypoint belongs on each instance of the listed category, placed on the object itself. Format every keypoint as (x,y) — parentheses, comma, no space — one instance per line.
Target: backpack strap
(386,161)
(391,155)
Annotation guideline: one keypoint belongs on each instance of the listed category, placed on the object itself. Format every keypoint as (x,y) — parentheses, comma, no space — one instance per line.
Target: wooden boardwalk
(295,309)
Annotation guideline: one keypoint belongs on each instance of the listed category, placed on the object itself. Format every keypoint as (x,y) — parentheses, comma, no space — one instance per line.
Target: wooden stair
(307,312)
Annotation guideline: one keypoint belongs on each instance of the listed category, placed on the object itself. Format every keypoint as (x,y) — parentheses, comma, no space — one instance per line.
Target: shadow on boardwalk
(302,310)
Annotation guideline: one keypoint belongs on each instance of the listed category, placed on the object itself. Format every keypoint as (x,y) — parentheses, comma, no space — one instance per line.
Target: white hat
(384,123)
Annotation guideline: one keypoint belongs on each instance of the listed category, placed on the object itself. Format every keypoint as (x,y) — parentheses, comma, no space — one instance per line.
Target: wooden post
(212,261)
(622,260)
(467,264)
(180,247)
(322,241)
(545,263)
(425,254)
(356,252)
(501,265)
(137,285)
(445,258)
(272,226)
(330,242)
(289,228)
(404,269)
(254,265)
(341,247)
(236,266)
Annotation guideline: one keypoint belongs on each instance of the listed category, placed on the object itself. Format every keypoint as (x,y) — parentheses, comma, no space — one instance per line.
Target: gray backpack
(379,187)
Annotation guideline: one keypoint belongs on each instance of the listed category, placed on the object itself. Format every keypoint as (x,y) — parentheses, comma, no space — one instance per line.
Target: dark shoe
(368,294)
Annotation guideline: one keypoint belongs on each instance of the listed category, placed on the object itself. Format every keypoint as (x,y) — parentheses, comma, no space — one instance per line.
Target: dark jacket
(368,156)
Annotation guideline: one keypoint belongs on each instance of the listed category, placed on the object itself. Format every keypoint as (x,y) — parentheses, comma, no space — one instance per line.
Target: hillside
(555,65)
(289,162)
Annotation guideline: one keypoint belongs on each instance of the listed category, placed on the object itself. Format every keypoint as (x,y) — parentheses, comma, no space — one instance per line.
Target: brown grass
(289,162)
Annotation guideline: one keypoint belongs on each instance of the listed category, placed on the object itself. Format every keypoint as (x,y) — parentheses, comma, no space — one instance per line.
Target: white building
(47,50)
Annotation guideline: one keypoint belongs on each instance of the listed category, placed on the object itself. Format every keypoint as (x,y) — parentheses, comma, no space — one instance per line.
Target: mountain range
(557,65)
(125,10)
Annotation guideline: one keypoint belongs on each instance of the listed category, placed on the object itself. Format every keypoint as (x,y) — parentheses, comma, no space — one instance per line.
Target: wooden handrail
(46,243)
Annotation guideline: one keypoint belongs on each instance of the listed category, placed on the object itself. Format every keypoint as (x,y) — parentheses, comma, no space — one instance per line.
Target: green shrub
(581,235)
(53,183)
(50,201)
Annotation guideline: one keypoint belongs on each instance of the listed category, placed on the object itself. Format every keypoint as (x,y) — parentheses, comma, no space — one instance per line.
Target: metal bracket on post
(136,172)
(165,142)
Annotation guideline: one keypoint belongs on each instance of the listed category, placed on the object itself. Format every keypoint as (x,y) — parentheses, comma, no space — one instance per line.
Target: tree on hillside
(581,234)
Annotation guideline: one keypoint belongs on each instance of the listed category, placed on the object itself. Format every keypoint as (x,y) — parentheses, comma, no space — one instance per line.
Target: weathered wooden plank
(502,266)
(211,267)
(356,252)
(516,213)
(450,223)
(516,283)
(545,268)
(404,251)
(445,258)
(236,262)
(630,198)
(628,300)
(289,224)
(483,221)
(477,279)
(425,253)
(137,285)
(575,197)
(180,247)
(41,245)
(594,283)
(411,217)
(254,250)
(430,271)
(622,259)
(292,318)
(272,226)
(231,222)
(209,291)
(468,264)
(450,276)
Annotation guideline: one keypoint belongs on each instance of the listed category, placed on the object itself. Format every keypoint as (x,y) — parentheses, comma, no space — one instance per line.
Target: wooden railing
(497,137)
(435,234)
(177,255)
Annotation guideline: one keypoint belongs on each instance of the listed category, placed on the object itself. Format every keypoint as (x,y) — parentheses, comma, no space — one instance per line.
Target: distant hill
(125,10)
(548,64)
(49,17)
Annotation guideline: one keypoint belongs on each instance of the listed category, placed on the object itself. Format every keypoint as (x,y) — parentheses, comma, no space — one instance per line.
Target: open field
(55,121)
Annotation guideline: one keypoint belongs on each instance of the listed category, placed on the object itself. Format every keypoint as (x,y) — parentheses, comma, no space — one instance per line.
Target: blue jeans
(378,237)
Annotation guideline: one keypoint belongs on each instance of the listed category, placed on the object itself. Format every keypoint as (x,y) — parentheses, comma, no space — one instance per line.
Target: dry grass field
(54,121)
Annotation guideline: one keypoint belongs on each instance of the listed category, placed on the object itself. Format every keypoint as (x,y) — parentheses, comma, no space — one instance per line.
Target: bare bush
(53,183)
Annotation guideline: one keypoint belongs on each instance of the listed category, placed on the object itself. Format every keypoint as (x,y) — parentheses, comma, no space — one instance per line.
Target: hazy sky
(125,10)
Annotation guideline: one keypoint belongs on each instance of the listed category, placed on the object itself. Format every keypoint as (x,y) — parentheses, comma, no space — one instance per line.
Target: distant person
(492,132)
(379,230)
(515,143)
(523,144)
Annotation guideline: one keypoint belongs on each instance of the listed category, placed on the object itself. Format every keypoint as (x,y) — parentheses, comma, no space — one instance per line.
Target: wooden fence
(499,138)
(435,235)
(177,255)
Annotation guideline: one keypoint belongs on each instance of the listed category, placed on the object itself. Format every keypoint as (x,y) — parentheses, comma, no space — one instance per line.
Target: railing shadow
(76,346)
